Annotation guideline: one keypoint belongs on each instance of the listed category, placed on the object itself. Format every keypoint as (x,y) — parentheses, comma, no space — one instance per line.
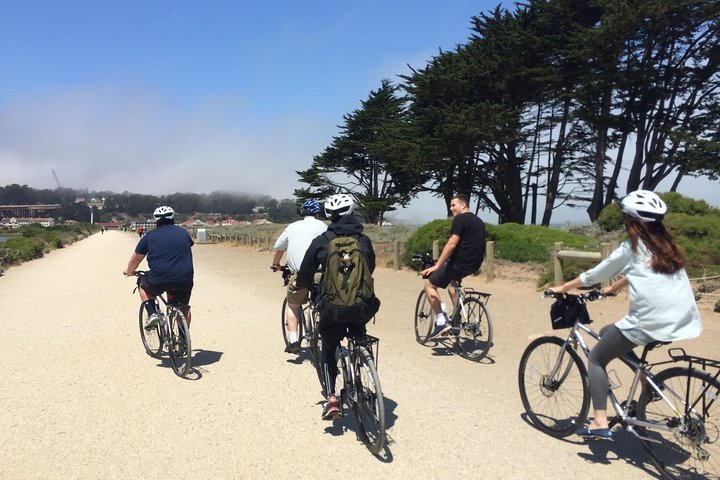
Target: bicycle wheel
(179,342)
(284,323)
(690,448)
(369,403)
(316,352)
(557,403)
(476,331)
(424,318)
(151,339)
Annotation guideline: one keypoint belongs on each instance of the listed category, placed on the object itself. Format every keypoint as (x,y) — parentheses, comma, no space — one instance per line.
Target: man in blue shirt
(170,260)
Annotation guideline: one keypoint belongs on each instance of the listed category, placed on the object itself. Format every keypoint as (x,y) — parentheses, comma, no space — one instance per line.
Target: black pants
(332,334)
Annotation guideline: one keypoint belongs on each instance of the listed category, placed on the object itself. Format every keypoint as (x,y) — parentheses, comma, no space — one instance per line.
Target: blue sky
(166,96)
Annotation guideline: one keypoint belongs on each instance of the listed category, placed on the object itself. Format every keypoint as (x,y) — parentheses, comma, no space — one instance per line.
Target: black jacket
(316,254)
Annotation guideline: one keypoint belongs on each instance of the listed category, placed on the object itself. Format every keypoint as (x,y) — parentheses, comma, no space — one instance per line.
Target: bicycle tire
(316,353)
(179,345)
(369,402)
(557,406)
(692,451)
(424,319)
(476,330)
(284,324)
(152,340)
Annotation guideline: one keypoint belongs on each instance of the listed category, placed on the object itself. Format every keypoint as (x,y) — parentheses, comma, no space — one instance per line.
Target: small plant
(717,307)
(707,286)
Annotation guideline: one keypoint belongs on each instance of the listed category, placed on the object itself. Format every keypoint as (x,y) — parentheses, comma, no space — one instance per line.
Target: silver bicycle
(674,412)
(472,327)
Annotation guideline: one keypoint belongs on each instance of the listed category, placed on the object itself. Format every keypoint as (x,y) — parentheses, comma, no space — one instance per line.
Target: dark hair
(666,254)
(463,198)
(164,221)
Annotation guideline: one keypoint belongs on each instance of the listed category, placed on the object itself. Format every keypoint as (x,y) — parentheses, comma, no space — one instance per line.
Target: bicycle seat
(652,345)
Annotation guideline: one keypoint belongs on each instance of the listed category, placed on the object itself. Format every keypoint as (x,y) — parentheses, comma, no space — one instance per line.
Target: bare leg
(431,292)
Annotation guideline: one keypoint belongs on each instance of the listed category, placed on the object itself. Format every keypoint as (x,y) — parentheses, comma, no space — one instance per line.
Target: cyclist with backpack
(296,239)
(347,300)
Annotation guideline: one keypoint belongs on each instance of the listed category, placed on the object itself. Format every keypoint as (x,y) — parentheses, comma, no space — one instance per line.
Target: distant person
(140,232)
(462,255)
(339,209)
(169,256)
(662,303)
(296,239)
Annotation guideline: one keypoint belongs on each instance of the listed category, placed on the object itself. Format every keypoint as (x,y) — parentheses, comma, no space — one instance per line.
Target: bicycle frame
(623,410)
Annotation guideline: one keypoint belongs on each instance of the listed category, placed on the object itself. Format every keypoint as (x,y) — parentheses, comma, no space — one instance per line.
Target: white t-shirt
(296,239)
(662,306)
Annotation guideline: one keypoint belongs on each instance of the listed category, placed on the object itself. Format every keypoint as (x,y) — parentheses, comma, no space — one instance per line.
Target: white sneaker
(151,322)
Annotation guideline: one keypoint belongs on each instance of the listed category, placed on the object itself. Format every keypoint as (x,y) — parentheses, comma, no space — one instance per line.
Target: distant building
(29,211)
(14,222)
(146,224)
(229,222)
(261,221)
(110,225)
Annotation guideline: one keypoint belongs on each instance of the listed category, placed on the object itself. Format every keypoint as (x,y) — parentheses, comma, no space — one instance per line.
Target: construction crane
(60,190)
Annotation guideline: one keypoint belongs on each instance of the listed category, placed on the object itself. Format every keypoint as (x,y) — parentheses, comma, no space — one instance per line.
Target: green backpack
(347,292)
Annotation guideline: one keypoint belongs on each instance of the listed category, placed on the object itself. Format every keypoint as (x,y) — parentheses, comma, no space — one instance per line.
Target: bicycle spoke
(151,339)
(424,318)
(556,402)
(474,337)
(688,446)
(370,407)
(179,342)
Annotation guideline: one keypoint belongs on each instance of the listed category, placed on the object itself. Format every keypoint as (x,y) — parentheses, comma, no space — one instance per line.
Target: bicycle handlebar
(590,296)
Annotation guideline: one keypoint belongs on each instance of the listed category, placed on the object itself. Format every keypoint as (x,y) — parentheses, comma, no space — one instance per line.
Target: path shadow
(625,447)
(348,422)
(301,358)
(200,359)
(447,347)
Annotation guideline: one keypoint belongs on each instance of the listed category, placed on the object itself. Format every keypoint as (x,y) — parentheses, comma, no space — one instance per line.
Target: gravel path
(79,399)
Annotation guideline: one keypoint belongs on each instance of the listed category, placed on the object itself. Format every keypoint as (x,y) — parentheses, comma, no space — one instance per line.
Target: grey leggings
(613,344)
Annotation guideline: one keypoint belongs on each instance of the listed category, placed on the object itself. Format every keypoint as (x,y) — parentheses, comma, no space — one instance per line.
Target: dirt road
(79,399)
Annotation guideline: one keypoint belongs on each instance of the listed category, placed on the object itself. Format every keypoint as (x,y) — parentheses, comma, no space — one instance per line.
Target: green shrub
(533,243)
(422,239)
(25,248)
(611,218)
(513,242)
(678,203)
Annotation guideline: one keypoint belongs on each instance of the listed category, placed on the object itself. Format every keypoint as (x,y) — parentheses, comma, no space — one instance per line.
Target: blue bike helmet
(310,207)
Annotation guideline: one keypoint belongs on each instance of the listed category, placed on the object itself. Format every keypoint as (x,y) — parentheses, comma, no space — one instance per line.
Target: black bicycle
(171,332)
(676,415)
(307,323)
(472,327)
(361,390)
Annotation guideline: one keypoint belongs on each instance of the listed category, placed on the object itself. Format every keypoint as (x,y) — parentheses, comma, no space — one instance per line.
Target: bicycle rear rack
(471,292)
(371,343)
(678,355)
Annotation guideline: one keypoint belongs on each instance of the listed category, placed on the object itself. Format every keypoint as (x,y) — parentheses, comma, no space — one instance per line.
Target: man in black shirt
(462,255)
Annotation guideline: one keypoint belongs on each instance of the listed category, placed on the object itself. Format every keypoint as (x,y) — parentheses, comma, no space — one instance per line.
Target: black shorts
(176,292)
(448,272)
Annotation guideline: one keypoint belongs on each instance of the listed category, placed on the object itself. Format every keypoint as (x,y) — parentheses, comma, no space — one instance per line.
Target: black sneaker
(441,330)
(293,347)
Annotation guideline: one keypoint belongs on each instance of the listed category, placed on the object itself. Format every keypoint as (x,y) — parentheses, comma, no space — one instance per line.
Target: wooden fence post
(396,254)
(436,249)
(559,278)
(490,260)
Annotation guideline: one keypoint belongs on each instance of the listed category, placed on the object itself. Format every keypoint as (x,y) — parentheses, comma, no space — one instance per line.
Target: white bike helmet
(339,205)
(645,205)
(164,212)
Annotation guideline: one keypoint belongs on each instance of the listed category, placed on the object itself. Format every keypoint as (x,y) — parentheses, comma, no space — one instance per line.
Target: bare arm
(615,287)
(276,260)
(132,265)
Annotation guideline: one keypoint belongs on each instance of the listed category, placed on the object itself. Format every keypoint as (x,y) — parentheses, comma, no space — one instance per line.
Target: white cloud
(108,139)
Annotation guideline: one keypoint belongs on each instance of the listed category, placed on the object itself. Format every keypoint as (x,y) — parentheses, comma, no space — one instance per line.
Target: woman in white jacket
(662,304)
